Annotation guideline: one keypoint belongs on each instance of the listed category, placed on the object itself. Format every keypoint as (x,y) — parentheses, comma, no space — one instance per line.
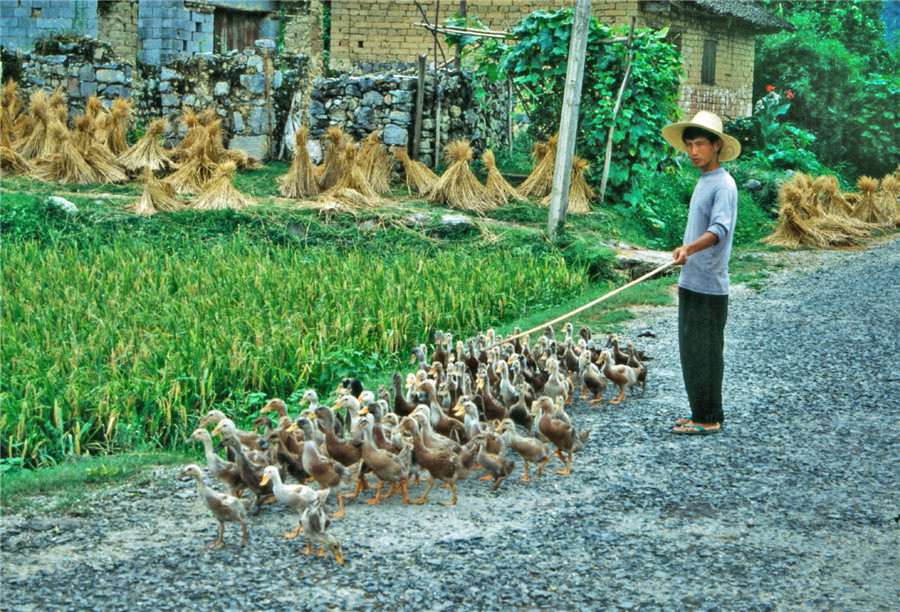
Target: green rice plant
(114,344)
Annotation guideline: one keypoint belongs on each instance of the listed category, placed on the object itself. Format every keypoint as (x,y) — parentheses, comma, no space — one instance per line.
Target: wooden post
(420,101)
(271,152)
(629,54)
(437,91)
(568,124)
(462,13)
(510,106)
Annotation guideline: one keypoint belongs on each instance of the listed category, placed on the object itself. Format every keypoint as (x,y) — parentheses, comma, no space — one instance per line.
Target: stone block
(189,99)
(206,28)
(237,122)
(152,44)
(277,79)
(169,100)
(165,87)
(257,146)
(116,91)
(167,74)
(255,83)
(394,135)
(192,47)
(316,108)
(265,43)
(399,117)
(258,122)
(372,98)
(88,88)
(222,88)
(110,76)
(255,63)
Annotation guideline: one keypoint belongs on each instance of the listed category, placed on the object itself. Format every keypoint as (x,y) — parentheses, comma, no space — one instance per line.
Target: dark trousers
(701,341)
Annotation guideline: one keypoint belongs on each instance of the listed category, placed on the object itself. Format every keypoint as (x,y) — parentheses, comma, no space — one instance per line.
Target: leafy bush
(845,82)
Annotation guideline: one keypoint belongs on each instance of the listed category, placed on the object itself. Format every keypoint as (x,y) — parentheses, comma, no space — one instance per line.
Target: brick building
(716,37)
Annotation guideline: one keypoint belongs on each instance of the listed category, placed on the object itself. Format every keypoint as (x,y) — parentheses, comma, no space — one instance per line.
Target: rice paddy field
(119,331)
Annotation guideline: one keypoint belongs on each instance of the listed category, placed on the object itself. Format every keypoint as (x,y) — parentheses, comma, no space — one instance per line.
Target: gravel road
(794,506)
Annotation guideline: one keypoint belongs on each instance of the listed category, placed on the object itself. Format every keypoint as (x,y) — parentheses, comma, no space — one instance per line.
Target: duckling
(619,357)
(594,381)
(315,522)
(560,433)
(556,385)
(226,508)
(530,449)
(345,451)
(222,470)
(310,397)
(499,468)
(251,473)
(441,464)
(519,412)
(249,439)
(351,386)
(622,375)
(288,450)
(386,466)
(277,405)
(329,474)
(634,361)
(440,422)
(295,497)
(491,408)
(417,354)
(440,353)
(402,407)
(508,392)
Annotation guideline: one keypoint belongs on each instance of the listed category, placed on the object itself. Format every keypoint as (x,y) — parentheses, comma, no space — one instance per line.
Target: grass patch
(71,482)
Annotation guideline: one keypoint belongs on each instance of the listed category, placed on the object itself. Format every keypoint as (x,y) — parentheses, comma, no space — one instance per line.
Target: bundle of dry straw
(419,177)
(580,193)
(147,153)
(300,180)
(375,163)
(458,187)
(196,170)
(332,167)
(157,196)
(218,193)
(497,187)
(66,165)
(539,182)
(114,126)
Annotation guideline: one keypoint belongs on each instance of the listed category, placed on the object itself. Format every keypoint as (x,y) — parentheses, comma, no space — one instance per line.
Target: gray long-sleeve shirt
(713,209)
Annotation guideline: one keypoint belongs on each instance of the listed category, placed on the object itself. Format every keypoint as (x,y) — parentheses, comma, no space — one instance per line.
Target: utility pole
(568,124)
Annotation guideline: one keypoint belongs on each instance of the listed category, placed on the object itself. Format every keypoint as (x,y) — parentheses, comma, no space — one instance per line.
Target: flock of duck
(464,408)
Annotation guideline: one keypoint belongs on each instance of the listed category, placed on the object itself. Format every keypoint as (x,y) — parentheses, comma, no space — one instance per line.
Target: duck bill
(339,558)
(292,427)
(264,481)
(363,411)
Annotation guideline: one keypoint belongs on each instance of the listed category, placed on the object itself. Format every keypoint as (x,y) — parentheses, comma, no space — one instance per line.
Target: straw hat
(710,122)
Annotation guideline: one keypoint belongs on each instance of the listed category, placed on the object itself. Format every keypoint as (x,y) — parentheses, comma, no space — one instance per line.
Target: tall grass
(121,344)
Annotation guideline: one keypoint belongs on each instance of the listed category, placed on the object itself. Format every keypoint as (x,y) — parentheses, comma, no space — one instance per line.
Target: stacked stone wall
(25,22)
(386,102)
(117,24)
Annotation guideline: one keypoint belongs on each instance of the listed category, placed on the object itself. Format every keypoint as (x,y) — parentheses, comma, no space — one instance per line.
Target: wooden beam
(568,124)
(420,103)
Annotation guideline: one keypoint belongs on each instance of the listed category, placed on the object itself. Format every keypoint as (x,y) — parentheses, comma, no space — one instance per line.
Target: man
(703,283)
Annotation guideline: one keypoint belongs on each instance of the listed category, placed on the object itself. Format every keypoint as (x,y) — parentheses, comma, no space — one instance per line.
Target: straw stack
(375,163)
(458,187)
(147,153)
(114,126)
(497,187)
(539,182)
(13,163)
(300,180)
(195,132)
(332,167)
(889,198)
(66,165)
(157,196)
(196,171)
(580,193)
(10,111)
(867,208)
(793,229)
(33,141)
(353,176)
(419,177)
(218,193)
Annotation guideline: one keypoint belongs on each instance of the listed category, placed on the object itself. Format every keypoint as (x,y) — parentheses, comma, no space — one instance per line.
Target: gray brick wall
(22,26)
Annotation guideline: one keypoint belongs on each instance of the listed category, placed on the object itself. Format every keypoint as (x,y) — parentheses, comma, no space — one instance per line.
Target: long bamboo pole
(641,279)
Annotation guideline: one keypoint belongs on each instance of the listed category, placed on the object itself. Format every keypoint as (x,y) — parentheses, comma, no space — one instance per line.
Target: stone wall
(83,68)
(233,84)
(386,101)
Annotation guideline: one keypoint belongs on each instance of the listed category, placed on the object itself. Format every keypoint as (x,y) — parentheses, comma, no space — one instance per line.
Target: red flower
(789,94)
(769,89)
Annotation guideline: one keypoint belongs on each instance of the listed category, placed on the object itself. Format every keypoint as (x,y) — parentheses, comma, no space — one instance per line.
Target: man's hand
(680,255)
